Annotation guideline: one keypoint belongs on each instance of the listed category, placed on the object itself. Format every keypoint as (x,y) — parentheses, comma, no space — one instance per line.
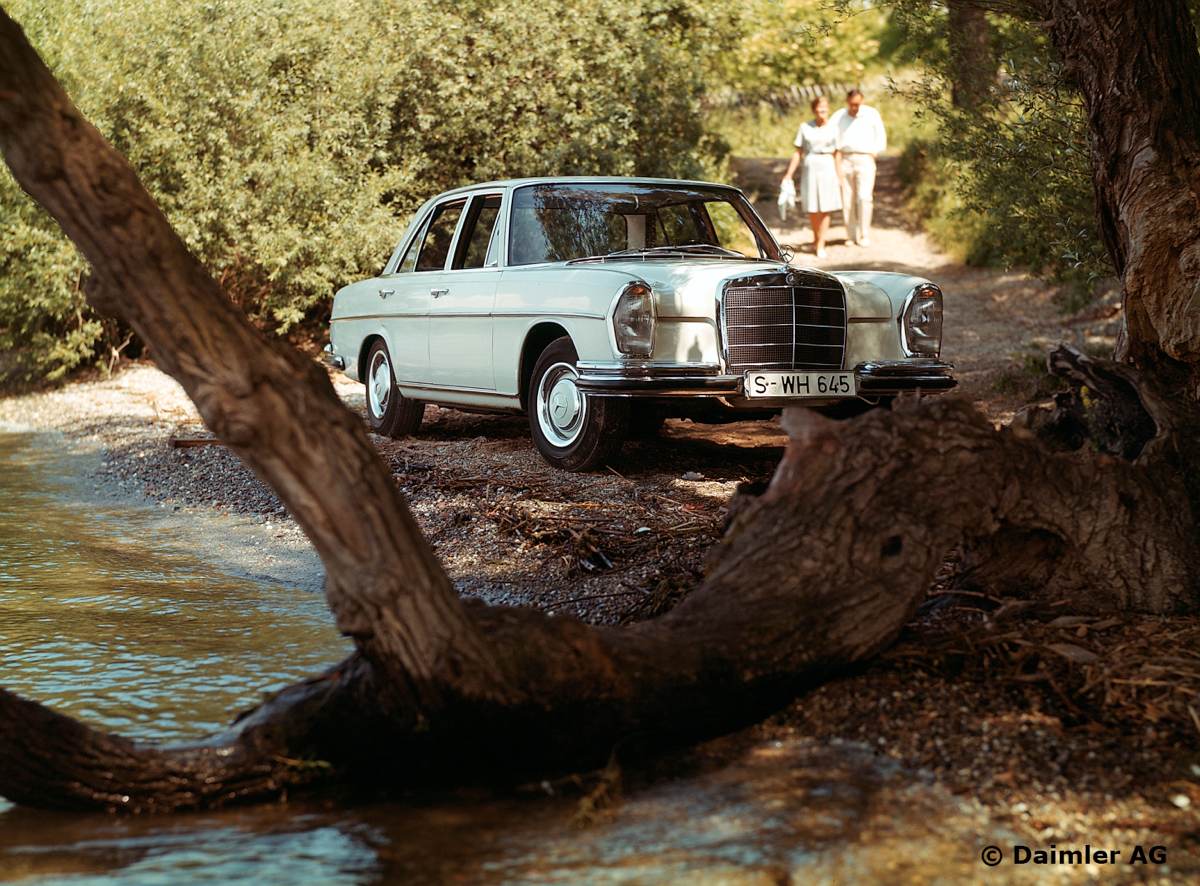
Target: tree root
(821,571)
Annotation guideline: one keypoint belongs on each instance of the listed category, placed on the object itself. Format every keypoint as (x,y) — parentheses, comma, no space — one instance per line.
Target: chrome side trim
(493,314)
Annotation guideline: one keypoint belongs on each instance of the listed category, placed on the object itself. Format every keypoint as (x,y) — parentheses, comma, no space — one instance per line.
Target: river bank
(974,702)
(990,720)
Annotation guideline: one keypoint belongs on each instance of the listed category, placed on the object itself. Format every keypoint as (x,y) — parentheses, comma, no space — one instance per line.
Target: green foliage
(289,140)
(1008,182)
(796,42)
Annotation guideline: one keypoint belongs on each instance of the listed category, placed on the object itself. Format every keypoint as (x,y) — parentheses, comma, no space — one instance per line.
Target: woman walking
(820,182)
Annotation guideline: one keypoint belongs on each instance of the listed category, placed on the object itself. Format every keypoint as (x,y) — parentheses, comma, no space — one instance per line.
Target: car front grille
(770,323)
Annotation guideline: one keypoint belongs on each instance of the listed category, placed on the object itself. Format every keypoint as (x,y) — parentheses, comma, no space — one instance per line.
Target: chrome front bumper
(873,379)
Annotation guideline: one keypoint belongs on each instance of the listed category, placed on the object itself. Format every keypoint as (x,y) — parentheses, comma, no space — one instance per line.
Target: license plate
(800,384)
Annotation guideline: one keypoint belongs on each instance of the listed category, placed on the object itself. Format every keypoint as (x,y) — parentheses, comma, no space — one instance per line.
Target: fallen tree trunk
(820,571)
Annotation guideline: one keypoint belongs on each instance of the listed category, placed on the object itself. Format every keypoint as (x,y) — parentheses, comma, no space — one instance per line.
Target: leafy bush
(1008,182)
(786,43)
(288,140)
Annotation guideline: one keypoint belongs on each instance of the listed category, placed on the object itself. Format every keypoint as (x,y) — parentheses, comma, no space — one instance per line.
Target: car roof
(582,179)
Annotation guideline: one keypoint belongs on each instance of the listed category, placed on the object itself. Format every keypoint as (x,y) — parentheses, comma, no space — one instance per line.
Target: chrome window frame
(458,232)
(465,199)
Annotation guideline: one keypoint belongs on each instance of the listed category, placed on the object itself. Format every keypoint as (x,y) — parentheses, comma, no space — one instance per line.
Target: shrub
(289,140)
(1008,182)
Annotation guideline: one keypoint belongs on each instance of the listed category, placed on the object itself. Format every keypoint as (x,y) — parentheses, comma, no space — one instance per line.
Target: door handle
(384,293)
(439,292)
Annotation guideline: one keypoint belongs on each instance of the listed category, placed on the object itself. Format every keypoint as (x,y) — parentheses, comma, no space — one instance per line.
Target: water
(105,616)
(139,623)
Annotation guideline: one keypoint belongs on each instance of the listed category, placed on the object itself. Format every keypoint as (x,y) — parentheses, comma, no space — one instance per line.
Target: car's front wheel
(389,412)
(571,430)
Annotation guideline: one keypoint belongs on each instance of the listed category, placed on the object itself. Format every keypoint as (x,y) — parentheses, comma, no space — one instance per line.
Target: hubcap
(561,407)
(379,384)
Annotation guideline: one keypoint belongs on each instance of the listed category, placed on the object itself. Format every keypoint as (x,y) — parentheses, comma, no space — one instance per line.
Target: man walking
(860,138)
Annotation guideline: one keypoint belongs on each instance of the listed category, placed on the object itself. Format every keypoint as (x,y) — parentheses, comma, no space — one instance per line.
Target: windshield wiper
(719,250)
(684,249)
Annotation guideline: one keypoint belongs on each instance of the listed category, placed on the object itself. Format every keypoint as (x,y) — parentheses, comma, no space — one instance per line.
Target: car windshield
(574,221)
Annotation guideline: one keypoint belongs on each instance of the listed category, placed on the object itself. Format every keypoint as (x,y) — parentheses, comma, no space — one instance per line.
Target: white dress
(820,190)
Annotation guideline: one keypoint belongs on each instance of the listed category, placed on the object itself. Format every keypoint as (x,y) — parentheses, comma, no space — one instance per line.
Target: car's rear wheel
(571,430)
(388,411)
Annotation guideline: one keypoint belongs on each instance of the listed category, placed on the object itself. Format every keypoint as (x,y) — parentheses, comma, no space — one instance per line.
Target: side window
(409,262)
(476,238)
(435,246)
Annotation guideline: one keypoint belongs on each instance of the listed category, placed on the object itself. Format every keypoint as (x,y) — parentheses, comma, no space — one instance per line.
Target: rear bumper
(872,379)
(332,359)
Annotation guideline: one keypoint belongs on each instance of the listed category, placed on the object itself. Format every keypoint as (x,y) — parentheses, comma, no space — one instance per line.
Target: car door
(460,312)
(410,291)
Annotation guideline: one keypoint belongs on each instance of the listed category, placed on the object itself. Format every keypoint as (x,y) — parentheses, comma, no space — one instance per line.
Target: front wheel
(571,430)
(389,412)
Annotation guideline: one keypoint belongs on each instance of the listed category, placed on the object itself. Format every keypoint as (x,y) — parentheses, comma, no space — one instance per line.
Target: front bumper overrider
(875,378)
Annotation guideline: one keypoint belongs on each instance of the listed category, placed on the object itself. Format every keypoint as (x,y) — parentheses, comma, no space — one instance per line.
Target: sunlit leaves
(288,141)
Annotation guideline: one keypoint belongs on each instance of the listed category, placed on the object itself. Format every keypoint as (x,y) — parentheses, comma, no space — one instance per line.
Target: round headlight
(633,320)
(921,325)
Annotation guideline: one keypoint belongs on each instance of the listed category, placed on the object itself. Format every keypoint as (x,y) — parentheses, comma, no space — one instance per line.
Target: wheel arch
(537,339)
(364,352)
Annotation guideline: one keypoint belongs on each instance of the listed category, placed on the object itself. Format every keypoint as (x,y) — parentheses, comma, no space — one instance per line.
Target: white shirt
(814,139)
(861,134)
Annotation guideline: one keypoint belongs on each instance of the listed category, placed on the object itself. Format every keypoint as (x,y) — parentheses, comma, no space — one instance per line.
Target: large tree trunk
(972,62)
(1136,64)
(820,571)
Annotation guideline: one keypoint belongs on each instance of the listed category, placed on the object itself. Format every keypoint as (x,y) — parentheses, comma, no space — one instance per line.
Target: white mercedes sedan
(600,306)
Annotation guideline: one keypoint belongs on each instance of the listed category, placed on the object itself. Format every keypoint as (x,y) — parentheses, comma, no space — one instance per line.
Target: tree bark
(1136,64)
(821,570)
(972,62)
